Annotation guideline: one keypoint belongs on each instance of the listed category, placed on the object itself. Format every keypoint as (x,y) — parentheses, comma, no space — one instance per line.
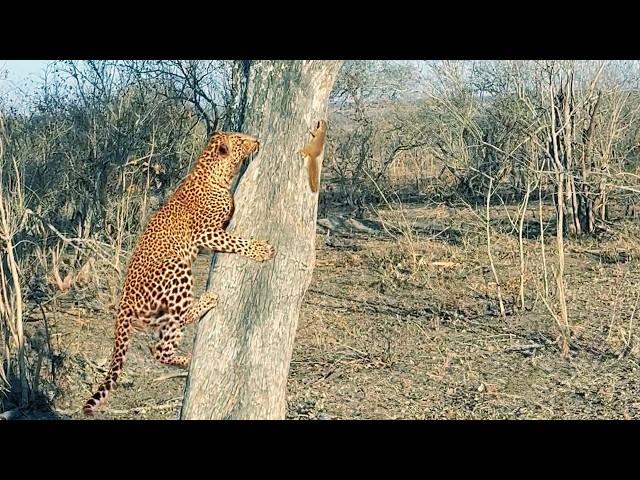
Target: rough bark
(243,347)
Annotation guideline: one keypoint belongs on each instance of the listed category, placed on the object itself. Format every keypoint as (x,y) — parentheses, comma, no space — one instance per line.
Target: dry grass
(13,365)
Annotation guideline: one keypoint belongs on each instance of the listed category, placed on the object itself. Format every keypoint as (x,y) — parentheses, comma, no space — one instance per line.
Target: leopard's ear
(213,138)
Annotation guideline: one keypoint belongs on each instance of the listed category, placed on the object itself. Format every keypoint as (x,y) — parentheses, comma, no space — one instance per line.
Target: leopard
(157,294)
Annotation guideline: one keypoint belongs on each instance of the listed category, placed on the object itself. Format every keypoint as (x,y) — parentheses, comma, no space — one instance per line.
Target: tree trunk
(587,204)
(578,202)
(243,347)
(581,192)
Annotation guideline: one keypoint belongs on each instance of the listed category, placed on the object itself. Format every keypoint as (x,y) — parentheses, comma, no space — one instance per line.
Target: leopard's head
(226,152)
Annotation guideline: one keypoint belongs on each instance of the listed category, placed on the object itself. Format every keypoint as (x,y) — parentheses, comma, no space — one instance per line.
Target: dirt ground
(404,322)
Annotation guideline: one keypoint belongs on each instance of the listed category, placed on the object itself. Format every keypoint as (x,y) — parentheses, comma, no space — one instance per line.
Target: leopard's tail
(123,332)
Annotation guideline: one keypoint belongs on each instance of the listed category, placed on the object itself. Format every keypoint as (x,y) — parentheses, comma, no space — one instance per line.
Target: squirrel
(313,150)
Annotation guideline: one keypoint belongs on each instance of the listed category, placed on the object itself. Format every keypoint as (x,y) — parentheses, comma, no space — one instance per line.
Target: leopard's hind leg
(172,329)
(178,310)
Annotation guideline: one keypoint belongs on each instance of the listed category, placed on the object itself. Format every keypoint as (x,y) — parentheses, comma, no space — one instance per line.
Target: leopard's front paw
(261,250)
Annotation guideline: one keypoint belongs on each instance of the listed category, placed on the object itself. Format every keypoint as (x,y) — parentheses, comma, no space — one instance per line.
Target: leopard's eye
(222,150)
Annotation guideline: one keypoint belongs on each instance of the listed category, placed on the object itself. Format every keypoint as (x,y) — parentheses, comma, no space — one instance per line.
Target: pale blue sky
(18,70)
(18,78)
